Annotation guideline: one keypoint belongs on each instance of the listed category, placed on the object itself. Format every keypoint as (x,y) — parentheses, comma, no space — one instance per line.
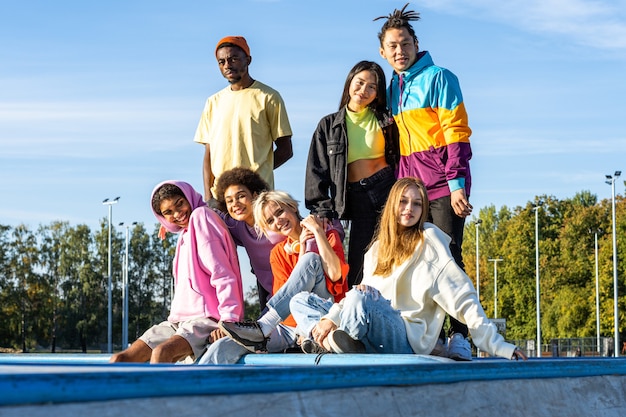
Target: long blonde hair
(396,245)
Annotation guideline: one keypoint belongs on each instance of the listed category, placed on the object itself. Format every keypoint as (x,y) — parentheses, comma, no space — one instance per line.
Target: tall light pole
(478,222)
(538,288)
(125,289)
(109,203)
(495,285)
(595,232)
(611,181)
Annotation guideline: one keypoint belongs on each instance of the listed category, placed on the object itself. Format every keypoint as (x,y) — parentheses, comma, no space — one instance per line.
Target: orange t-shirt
(283,263)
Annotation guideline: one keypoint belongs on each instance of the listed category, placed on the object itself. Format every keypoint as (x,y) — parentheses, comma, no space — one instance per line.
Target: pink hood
(195,200)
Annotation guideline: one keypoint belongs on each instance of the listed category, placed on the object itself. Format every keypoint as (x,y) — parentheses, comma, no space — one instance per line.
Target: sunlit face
(176,210)
(239,203)
(410,208)
(362,90)
(399,49)
(233,63)
(282,219)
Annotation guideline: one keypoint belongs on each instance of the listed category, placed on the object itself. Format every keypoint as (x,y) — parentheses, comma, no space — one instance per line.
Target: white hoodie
(427,286)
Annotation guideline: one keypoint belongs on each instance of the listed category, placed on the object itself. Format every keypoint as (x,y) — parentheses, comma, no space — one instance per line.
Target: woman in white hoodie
(410,282)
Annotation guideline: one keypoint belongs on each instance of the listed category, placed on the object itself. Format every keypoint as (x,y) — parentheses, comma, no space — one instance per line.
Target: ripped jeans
(366,316)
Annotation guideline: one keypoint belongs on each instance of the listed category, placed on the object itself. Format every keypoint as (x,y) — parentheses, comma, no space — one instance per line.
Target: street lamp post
(125,288)
(595,232)
(109,203)
(478,222)
(611,181)
(495,285)
(538,288)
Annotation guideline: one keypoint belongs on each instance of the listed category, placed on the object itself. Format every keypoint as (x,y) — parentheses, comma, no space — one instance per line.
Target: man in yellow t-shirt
(241,123)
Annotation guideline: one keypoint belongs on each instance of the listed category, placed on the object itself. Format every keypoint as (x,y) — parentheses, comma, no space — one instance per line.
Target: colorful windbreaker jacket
(207,279)
(427,105)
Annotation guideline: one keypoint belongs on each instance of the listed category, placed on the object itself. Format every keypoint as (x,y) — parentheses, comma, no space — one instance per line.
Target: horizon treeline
(54,285)
(567,265)
(53,280)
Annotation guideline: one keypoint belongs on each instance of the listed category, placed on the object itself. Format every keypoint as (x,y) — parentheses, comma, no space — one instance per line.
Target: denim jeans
(308,275)
(365,200)
(366,316)
(226,351)
(307,310)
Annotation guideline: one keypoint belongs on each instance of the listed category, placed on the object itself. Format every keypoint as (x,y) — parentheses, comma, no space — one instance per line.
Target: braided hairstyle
(398,19)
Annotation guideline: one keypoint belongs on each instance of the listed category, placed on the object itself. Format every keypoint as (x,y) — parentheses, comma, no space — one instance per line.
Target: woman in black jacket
(352,160)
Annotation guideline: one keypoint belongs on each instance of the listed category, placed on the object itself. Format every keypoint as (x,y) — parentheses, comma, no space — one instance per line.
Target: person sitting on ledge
(410,282)
(310,259)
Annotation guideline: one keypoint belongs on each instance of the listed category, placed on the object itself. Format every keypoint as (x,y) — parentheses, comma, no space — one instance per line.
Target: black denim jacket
(326,171)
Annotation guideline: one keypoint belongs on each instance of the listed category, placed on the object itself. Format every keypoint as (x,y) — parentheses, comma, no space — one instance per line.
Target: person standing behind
(207,281)
(241,123)
(352,160)
(427,104)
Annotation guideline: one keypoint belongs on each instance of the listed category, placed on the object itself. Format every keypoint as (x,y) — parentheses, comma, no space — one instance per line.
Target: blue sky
(102,99)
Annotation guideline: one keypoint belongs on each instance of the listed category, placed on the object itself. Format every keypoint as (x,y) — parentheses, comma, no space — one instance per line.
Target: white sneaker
(459,348)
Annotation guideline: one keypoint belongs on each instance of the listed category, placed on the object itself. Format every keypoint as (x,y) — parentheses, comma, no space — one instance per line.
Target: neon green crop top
(365,138)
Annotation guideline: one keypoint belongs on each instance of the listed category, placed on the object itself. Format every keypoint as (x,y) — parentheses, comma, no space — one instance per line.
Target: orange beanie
(240,41)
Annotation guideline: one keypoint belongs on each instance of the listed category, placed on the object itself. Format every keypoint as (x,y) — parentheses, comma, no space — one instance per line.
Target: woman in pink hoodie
(207,278)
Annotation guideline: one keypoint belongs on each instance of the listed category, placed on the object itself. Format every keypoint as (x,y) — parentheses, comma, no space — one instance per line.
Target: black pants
(442,215)
(365,201)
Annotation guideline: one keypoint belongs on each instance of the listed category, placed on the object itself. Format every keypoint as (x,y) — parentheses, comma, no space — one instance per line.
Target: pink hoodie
(206,267)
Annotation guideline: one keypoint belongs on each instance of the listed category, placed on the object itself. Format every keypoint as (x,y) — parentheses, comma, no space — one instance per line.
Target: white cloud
(520,143)
(93,129)
(126,111)
(599,24)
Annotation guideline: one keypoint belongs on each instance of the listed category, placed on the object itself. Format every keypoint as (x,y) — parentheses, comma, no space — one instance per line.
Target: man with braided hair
(428,107)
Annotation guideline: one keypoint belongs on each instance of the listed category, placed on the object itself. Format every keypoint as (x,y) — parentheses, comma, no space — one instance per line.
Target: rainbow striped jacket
(427,104)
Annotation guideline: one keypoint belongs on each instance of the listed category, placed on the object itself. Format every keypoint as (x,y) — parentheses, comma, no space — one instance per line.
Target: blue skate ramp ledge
(294,384)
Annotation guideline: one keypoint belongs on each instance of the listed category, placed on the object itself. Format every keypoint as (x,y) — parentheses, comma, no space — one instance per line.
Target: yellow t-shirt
(241,127)
(365,137)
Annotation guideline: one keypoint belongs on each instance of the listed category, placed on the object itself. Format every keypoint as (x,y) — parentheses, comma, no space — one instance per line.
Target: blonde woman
(410,283)
(310,259)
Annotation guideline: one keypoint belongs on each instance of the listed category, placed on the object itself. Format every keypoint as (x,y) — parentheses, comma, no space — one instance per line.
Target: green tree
(85,290)
(24,288)
(7,300)
(52,251)
(163,251)
(144,285)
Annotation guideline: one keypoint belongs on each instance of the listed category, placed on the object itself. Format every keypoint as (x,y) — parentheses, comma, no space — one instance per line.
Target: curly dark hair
(238,176)
(165,192)
(398,19)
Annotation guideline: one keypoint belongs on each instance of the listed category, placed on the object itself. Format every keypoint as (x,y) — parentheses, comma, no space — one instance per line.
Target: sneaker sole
(350,345)
(460,358)
(313,348)
(248,344)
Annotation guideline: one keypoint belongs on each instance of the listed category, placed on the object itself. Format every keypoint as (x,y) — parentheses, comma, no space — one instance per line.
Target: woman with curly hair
(236,190)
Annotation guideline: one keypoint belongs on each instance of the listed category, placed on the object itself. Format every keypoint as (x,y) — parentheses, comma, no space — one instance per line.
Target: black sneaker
(247,333)
(341,342)
(311,346)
